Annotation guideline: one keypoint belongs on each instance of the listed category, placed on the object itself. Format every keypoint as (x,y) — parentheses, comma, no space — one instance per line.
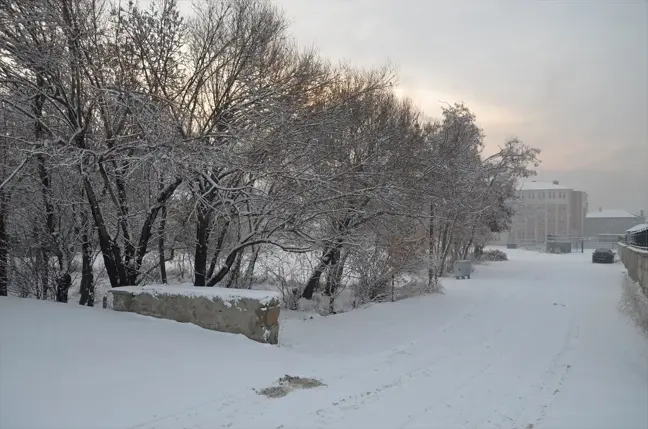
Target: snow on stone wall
(254,314)
(636,262)
(635,303)
(636,284)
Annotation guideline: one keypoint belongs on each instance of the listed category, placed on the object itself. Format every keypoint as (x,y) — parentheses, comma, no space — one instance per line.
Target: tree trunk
(63,284)
(109,249)
(47,241)
(202,239)
(87,276)
(118,272)
(334,277)
(248,277)
(40,283)
(431,267)
(472,237)
(218,249)
(336,271)
(314,280)
(229,261)
(4,244)
(147,229)
(448,234)
(129,245)
(161,251)
(43,268)
(235,271)
(42,260)
(443,245)
(331,276)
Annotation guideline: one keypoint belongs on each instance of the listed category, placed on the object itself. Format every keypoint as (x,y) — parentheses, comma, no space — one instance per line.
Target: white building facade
(544,209)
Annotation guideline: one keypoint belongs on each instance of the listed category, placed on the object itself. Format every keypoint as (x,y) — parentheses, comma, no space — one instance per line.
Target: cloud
(431,102)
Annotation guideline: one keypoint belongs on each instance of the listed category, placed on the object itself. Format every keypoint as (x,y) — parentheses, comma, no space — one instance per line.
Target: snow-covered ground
(535,342)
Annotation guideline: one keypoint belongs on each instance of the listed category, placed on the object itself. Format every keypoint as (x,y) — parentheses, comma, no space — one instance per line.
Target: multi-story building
(544,209)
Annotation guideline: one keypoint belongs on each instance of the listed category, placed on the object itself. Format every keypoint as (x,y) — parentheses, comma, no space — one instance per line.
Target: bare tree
(141,137)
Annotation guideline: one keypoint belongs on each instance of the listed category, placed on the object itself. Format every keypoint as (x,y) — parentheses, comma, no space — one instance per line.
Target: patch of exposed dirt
(287,384)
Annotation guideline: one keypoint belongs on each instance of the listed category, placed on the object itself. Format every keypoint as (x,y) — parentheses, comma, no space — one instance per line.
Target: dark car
(604,256)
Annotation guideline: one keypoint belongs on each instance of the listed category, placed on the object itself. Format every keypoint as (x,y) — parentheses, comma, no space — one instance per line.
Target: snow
(638,228)
(224,294)
(613,213)
(537,340)
(532,185)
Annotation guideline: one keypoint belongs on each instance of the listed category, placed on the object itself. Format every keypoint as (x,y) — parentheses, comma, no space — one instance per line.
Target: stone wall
(636,262)
(254,314)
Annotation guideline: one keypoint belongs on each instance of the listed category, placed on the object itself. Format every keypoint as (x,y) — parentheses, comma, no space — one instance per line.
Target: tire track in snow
(228,407)
(536,404)
(556,375)
(228,403)
(494,418)
(424,367)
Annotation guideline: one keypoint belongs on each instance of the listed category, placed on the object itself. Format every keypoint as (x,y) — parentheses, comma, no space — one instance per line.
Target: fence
(637,237)
(555,244)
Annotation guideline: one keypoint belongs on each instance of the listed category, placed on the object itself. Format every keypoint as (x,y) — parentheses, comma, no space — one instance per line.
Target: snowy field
(535,342)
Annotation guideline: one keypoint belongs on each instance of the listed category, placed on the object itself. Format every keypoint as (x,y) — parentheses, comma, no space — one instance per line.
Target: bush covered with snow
(493,255)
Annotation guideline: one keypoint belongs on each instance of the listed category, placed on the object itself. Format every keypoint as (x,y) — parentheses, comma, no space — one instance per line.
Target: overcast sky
(568,77)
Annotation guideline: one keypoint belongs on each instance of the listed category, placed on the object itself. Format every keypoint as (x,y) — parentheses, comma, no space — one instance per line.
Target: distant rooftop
(638,228)
(533,185)
(614,213)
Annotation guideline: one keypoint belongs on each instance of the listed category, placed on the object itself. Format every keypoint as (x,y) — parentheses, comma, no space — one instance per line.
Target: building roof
(532,185)
(638,228)
(615,213)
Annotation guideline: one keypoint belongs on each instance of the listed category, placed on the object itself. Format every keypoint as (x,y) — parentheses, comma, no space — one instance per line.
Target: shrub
(494,255)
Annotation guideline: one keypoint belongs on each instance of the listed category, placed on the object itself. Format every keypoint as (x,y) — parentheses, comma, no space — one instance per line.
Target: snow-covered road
(535,342)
